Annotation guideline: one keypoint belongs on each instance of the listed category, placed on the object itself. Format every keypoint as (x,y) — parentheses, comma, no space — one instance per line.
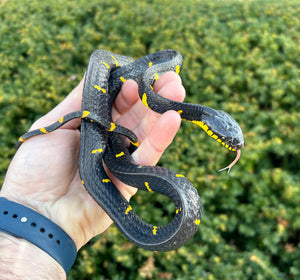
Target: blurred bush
(240,56)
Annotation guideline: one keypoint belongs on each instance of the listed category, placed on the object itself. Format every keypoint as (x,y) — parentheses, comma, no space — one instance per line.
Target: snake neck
(192,112)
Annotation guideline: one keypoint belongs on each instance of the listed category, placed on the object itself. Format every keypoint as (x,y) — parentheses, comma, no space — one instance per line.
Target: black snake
(101,141)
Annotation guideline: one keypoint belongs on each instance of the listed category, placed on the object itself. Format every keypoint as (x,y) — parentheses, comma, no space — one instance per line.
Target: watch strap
(23,222)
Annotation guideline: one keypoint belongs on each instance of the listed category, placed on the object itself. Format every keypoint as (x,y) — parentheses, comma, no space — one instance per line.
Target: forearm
(19,259)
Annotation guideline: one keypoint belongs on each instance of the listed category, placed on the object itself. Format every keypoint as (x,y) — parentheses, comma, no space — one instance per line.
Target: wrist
(42,207)
(19,259)
(26,224)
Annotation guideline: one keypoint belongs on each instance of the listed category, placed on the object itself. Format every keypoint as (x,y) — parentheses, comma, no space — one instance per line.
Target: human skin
(44,175)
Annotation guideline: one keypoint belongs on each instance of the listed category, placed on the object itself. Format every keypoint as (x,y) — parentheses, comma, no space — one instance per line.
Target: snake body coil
(101,141)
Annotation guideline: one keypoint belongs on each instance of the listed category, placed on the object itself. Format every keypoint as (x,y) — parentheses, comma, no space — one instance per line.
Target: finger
(170,86)
(127,97)
(70,104)
(160,137)
(140,119)
(129,92)
(165,79)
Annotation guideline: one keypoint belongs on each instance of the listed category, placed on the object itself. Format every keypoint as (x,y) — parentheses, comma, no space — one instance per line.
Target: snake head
(223,128)
(229,130)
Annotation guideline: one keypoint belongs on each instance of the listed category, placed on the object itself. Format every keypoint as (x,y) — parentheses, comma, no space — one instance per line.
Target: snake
(104,141)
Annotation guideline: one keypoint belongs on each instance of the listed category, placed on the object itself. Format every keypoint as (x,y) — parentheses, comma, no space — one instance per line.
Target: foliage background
(240,56)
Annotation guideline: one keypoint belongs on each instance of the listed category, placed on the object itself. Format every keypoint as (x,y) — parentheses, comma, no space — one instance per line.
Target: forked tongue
(238,154)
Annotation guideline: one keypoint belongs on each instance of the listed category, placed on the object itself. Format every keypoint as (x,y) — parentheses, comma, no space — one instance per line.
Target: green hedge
(240,56)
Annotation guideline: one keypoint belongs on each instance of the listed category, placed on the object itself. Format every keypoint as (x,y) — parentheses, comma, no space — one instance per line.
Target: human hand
(44,172)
